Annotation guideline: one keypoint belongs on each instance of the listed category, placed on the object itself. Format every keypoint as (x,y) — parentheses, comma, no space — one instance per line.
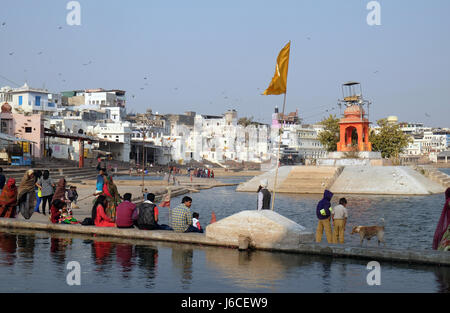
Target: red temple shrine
(354,126)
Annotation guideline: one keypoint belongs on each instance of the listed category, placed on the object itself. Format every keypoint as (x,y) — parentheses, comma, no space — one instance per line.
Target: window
(38,101)
(28,129)
(20,100)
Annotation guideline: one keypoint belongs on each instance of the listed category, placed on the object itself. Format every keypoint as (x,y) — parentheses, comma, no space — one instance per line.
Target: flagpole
(274,89)
(278,154)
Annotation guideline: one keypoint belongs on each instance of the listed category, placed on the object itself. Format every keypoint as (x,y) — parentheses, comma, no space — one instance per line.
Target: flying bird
(40,53)
(309,38)
(11,53)
(87,63)
(60,27)
(4,23)
(427,115)
(375,72)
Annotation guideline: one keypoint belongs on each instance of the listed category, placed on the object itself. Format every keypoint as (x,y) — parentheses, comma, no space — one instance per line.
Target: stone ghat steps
(435,175)
(296,179)
(70,174)
(308,180)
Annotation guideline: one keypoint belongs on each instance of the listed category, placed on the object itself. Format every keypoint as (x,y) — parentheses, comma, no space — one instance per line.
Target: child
(145,194)
(72,195)
(195,221)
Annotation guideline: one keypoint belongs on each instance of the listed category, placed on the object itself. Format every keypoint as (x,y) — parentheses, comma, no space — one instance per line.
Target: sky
(210,56)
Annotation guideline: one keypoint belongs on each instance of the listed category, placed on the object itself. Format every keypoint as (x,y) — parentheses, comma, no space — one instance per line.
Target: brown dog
(367,232)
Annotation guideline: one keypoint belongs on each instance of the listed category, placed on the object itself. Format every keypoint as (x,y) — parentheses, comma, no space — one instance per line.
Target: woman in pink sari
(444,221)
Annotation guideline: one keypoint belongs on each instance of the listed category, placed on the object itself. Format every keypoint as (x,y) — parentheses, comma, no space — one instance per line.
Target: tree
(329,137)
(389,140)
(245,121)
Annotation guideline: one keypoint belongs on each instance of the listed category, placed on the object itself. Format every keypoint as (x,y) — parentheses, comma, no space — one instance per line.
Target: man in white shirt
(339,216)
(263,196)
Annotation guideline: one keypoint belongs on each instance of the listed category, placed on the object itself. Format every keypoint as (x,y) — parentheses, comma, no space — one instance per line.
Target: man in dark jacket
(146,215)
(323,212)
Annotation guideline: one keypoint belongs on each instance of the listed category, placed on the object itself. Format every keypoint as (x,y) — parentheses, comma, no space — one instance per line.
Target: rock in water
(265,229)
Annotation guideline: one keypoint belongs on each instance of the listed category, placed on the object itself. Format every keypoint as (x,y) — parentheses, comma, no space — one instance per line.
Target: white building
(105,98)
(28,100)
(216,139)
(297,140)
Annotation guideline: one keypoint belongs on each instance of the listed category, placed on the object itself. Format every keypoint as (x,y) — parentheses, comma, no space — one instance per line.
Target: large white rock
(265,229)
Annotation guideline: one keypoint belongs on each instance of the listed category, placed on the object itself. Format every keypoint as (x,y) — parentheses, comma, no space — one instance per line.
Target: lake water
(36,261)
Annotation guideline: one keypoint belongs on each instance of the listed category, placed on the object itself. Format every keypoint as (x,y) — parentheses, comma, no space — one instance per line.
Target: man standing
(181,217)
(323,212)
(339,216)
(263,196)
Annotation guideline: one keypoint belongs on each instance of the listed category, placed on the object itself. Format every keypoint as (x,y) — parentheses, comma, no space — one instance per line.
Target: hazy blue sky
(210,56)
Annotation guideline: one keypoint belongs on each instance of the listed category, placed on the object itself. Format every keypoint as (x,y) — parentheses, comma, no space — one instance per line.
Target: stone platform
(385,180)
(351,179)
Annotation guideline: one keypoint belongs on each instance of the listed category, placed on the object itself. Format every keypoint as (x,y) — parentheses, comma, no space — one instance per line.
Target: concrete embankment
(373,254)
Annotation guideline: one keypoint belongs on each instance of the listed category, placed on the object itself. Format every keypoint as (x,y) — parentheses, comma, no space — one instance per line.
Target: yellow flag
(279,81)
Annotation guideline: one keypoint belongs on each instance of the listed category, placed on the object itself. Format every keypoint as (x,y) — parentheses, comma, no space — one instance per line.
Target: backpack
(87,222)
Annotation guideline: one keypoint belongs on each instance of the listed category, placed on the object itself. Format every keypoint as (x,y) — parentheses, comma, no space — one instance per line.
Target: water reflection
(8,247)
(58,248)
(443,279)
(147,258)
(25,251)
(253,269)
(222,270)
(125,257)
(182,264)
(101,253)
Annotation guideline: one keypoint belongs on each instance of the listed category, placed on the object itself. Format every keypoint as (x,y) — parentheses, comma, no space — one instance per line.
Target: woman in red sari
(444,221)
(8,199)
(98,213)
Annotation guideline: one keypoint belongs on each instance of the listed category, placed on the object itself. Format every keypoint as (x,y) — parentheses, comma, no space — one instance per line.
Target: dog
(367,232)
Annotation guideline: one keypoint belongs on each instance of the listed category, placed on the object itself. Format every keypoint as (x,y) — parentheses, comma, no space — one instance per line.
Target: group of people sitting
(145,216)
